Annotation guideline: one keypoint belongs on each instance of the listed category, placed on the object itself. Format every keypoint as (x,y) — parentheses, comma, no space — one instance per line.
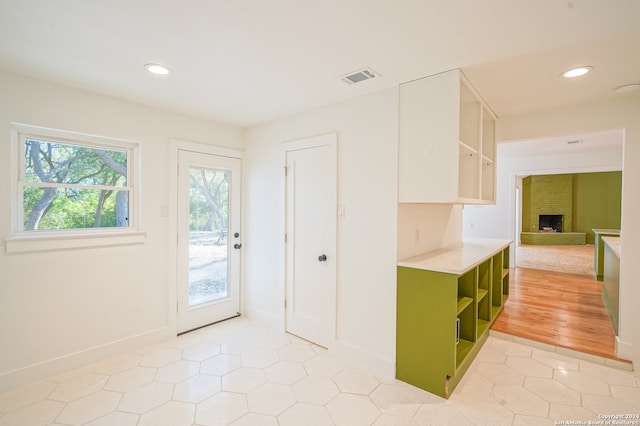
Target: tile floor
(240,373)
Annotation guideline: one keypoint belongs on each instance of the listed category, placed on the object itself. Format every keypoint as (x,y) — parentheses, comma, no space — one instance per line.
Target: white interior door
(311,238)
(208,239)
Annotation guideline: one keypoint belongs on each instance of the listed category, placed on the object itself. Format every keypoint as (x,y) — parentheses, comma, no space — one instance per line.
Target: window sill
(46,242)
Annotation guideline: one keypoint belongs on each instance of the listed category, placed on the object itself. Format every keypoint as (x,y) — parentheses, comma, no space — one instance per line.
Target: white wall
(438,226)
(59,309)
(367,188)
(498,221)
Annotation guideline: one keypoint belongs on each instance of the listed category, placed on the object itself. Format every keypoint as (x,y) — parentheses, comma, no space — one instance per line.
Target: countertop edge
(473,252)
(606,231)
(614,244)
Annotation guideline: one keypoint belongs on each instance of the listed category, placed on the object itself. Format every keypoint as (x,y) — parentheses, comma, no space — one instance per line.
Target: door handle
(322,258)
(237,246)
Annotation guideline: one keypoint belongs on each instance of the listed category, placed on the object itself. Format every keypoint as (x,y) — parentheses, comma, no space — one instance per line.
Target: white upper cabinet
(446,142)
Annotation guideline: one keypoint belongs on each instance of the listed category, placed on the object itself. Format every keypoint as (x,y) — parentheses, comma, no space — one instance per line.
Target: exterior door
(311,238)
(208,239)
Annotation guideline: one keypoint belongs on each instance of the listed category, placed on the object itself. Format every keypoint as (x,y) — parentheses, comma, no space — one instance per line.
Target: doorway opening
(557,318)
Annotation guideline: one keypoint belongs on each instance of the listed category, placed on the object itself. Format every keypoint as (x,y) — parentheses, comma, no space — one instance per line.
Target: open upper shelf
(446,142)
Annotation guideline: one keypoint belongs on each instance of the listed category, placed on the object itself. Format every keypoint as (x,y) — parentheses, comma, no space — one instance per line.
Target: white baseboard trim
(628,351)
(42,370)
(382,367)
(378,365)
(265,318)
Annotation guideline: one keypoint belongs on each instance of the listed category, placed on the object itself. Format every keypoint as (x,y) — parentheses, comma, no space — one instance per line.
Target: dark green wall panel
(597,201)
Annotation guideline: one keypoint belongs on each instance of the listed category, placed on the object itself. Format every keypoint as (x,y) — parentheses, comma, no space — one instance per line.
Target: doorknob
(322,258)
(237,246)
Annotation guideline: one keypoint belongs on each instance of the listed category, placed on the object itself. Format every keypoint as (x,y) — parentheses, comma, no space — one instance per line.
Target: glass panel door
(208,239)
(208,229)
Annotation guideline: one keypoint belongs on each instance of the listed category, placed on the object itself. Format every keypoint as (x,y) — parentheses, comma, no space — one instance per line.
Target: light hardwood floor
(557,308)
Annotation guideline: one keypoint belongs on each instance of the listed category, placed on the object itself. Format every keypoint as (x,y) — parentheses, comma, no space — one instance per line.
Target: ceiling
(606,143)
(246,62)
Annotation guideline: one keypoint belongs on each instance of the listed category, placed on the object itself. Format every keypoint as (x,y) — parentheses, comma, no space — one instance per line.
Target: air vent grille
(360,75)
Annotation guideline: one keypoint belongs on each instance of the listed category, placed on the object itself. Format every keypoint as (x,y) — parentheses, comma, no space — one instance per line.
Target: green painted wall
(597,202)
(587,201)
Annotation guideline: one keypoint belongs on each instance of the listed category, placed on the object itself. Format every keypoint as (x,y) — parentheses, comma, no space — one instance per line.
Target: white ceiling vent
(360,75)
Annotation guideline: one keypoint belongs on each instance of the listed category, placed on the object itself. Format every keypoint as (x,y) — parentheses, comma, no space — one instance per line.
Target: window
(68,186)
(72,184)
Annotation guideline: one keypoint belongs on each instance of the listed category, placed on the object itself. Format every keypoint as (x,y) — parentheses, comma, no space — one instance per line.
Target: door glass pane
(208,239)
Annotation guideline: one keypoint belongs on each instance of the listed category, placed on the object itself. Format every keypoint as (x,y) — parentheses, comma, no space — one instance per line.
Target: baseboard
(382,367)
(628,351)
(263,317)
(42,370)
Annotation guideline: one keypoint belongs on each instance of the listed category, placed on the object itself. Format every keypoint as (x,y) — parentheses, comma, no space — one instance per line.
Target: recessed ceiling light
(576,72)
(157,69)
(627,88)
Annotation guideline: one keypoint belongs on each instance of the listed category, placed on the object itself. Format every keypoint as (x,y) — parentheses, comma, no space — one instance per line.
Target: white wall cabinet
(446,142)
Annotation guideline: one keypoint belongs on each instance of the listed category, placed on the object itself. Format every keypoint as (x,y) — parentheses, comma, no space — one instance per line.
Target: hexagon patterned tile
(240,372)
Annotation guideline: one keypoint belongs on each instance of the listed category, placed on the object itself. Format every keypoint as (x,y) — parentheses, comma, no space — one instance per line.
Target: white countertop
(458,260)
(607,231)
(614,244)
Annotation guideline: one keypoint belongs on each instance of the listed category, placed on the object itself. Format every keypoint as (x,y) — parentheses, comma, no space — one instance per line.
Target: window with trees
(68,181)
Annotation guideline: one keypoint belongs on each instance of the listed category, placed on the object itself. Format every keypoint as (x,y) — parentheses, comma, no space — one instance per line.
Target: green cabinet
(611,284)
(598,258)
(443,318)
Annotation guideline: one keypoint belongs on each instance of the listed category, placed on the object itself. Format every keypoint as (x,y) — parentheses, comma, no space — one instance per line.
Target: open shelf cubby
(483,299)
(463,348)
(505,275)
(466,329)
(443,318)
(463,303)
(446,141)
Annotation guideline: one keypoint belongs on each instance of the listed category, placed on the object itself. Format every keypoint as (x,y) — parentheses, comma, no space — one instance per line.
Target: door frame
(331,141)
(170,211)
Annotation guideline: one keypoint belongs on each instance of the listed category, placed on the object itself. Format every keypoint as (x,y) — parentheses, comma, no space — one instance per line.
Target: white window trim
(33,241)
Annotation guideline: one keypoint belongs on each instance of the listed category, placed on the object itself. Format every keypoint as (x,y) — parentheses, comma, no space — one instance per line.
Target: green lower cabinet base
(611,286)
(421,375)
(426,328)
(598,258)
(444,319)
(464,365)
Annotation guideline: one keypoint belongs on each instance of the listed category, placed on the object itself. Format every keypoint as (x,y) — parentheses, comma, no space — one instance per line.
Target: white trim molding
(31,373)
